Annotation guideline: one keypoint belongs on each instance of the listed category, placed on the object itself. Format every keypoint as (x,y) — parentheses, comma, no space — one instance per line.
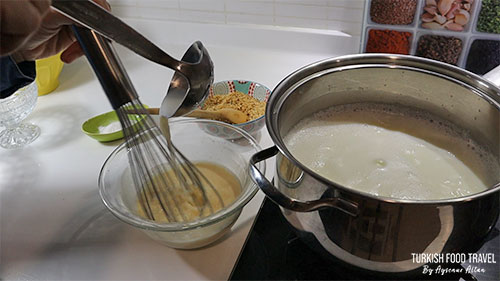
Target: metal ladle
(193,74)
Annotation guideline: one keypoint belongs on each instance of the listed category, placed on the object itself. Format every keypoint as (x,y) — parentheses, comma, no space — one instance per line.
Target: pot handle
(279,198)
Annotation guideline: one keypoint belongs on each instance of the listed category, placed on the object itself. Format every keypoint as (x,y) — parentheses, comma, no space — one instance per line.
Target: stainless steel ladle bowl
(193,74)
(177,102)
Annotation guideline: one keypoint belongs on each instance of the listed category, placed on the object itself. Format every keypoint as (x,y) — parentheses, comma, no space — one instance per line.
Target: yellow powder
(251,106)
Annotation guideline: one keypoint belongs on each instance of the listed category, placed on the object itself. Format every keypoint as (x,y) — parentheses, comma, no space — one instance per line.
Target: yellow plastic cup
(47,74)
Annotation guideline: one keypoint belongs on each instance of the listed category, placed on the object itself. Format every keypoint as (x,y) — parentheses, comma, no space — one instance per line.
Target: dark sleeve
(14,76)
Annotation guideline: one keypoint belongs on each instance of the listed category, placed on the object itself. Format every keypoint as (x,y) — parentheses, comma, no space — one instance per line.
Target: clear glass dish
(13,110)
(192,138)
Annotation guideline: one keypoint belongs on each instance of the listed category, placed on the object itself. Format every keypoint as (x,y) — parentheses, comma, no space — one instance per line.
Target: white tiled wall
(343,15)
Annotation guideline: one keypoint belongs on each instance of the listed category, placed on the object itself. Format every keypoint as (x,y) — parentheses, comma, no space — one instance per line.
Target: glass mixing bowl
(118,192)
(13,110)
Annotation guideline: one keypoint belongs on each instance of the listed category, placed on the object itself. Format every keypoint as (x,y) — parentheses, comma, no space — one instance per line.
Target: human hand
(40,32)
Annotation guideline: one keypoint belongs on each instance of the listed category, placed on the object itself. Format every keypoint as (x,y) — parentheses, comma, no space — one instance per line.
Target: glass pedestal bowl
(13,110)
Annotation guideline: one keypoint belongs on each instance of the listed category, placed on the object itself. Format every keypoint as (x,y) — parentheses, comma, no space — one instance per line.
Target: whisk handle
(107,67)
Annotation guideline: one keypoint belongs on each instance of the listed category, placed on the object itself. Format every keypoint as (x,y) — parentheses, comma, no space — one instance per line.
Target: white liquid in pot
(386,153)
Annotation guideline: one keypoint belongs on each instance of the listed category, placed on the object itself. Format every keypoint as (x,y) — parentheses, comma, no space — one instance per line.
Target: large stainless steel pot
(370,232)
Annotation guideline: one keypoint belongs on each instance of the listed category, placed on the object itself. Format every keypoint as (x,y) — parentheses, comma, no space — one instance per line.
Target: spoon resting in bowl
(230,115)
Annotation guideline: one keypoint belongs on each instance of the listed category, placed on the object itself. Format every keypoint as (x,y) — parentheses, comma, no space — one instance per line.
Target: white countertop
(53,224)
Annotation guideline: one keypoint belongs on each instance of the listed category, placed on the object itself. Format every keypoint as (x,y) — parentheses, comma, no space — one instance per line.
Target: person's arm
(39,33)
(14,76)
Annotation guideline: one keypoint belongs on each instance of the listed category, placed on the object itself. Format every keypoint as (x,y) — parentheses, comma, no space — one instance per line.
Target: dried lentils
(398,12)
(441,48)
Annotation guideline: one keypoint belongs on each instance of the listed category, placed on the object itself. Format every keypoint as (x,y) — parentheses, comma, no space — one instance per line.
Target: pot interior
(463,99)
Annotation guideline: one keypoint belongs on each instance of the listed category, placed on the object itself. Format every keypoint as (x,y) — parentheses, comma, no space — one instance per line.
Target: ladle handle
(91,15)
(292,204)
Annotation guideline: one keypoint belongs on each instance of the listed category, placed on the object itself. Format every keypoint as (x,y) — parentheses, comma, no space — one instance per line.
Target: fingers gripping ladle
(193,74)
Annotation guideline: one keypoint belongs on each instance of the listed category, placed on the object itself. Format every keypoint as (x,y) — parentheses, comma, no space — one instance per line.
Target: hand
(20,19)
(39,33)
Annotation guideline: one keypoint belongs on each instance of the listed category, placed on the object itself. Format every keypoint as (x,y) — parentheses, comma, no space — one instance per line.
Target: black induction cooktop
(273,251)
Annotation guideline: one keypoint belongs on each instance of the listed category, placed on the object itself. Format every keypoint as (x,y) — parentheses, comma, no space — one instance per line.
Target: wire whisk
(169,187)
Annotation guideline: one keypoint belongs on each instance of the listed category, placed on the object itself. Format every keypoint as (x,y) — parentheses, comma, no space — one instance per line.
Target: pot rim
(478,85)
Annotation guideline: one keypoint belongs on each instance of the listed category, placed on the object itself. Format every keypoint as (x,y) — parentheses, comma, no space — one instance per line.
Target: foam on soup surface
(387,152)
